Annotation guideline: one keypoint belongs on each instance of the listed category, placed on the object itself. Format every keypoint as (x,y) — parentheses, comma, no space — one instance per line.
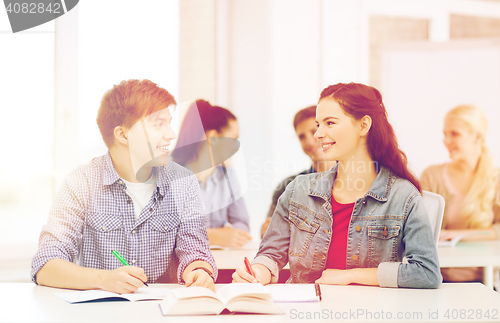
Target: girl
(469,184)
(227,215)
(363,221)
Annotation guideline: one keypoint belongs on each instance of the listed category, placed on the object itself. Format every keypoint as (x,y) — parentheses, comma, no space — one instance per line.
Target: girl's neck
(203,175)
(354,179)
(323,165)
(465,166)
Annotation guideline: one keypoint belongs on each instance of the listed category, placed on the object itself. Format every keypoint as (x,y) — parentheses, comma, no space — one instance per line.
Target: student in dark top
(304,124)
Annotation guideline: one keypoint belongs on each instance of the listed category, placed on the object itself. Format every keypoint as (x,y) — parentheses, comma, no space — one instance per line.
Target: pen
(249,267)
(318,290)
(227,224)
(123,261)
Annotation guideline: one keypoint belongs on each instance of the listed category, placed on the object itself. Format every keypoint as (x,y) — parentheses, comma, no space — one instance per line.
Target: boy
(157,223)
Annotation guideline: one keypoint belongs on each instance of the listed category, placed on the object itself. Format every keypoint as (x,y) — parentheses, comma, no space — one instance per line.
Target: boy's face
(149,140)
(305,132)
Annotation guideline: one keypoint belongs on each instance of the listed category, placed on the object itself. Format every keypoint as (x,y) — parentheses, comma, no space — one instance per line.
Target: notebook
(142,294)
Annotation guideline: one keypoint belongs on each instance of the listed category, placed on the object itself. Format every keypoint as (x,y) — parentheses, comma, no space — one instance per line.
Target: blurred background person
(305,126)
(228,220)
(469,183)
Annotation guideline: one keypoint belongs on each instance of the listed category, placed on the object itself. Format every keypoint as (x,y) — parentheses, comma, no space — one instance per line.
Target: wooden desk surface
(26,302)
(470,254)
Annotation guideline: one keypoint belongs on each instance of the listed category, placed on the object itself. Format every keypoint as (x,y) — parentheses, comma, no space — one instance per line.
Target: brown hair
(304,114)
(128,102)
(211,117)
(359,100)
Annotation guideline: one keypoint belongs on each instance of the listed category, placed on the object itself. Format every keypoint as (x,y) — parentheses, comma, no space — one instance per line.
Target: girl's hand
(262,274)
(335,277)
(450,234)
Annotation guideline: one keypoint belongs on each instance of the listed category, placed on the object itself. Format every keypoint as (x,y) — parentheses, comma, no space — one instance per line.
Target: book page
(453,242)
(292,293)
(253,305)
(236,290)
(188,305)
(193,292)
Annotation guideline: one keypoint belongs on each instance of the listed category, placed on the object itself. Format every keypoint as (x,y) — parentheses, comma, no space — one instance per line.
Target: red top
(338,246)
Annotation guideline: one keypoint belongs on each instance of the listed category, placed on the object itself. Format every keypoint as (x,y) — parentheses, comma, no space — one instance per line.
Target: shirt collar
(379,190)
(110,175)
(163,176)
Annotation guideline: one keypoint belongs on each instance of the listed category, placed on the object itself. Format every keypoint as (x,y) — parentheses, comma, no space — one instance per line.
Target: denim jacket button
(358,228)
(355,257)
(364,202)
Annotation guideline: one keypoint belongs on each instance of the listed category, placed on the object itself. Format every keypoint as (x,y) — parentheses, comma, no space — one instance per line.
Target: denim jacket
(389,230)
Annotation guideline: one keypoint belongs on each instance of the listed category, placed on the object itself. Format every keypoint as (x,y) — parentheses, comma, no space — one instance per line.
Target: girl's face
(460,140)
(339,135)
(231,131)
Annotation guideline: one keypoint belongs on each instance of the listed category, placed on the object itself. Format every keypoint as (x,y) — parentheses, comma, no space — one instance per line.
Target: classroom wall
(279,55)
(440,77)
(265,60)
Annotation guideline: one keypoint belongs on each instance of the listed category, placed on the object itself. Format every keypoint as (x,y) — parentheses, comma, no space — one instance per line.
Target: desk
(231,258)
(484,254)
(26,302)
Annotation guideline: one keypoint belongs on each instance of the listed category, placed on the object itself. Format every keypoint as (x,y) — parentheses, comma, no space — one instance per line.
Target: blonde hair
(477,206)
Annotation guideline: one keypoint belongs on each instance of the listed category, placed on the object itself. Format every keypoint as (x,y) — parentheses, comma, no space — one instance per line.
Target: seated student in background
(363,221)
(228,220)
(158,225)
(304,123)
(470,184)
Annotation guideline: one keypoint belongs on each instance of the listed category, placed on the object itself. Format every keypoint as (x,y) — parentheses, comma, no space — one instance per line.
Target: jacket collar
(379,190)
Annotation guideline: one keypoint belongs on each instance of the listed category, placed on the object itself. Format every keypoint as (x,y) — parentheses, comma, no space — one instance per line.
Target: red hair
(128,102)
(359,100)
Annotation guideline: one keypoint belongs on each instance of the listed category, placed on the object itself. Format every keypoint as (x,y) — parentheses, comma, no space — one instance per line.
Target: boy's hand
(126,279)
(262,274)
(201,278)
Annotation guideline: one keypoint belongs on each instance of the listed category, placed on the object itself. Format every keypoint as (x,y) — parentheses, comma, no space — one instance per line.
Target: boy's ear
(121,135)
(211,133)
(365,125)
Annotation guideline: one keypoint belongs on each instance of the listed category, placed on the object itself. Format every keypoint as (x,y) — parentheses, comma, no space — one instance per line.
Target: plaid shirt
(92,216)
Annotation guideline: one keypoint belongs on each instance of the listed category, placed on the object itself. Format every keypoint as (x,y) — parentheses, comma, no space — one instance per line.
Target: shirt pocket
(303,226)
(103,233)
(383,241)
(163,233)
(104,223)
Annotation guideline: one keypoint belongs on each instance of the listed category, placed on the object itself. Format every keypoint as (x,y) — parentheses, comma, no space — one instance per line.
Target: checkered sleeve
(192,238)
(62,234)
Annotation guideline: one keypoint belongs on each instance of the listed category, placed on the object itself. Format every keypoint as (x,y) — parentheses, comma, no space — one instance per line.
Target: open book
(142,294)
(453,242)
(242,298)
